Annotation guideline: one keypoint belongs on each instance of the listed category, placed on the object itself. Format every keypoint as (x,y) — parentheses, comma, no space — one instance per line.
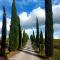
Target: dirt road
(26,54)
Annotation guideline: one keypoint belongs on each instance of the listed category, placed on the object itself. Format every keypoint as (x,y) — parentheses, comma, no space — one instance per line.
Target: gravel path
(26,54)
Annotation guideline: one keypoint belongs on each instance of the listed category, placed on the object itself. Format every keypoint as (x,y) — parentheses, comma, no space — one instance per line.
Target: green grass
(56,55)
(56,42)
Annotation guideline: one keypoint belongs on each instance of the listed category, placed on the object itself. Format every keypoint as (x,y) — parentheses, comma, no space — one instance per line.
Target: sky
(27,10)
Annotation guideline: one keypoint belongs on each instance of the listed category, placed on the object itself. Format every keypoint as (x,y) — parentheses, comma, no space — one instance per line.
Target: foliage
(37,33)
(14,29)
(48,29)
(33,39)
(25,38)
(3,43)
(41,42)
(20,33)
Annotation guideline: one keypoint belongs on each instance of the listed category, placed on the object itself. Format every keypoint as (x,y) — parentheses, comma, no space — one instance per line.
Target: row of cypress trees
(37,41)
(48,31)
(25,38)
(3,41)
(16,40)
(15,30)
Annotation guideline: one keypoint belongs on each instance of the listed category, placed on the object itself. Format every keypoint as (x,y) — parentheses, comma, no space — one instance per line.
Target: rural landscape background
(29,30)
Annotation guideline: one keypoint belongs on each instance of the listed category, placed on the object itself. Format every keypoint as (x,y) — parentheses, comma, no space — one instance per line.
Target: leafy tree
(48,29)
(14,29)
(3,43)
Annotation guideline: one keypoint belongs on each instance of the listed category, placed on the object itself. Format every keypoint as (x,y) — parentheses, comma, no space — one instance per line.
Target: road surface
(26,54)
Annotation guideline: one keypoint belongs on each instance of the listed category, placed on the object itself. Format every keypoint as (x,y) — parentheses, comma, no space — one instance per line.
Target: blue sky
(28,10)
(25,5)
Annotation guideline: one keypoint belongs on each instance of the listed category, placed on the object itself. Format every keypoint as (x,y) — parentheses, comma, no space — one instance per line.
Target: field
(56,42)
(56,50)
(56,54)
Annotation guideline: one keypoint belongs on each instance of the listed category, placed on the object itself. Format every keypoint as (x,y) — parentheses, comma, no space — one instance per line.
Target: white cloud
(56,13)
(23,17)
(8,26)
(57,27)
(40,13)
(29,20)
(0,24)
(8,23)
(56,34)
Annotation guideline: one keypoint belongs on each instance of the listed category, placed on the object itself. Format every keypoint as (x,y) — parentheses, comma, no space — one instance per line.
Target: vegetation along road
(26,54)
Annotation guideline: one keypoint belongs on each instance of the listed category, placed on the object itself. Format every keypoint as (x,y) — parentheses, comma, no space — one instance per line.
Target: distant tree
(41,42)
(14,29)
(25,38)
(48,29)
(3,43)
(37,33)
(31,38)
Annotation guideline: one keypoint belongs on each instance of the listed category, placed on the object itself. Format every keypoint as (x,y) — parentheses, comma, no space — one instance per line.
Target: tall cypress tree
(3,43)
(25,38)
(14,29)
(48,29)
(33,37)
(41,42)
(20,34)
(41,38)
(37,33)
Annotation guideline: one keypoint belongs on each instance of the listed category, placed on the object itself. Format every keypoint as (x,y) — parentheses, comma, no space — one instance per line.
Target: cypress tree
(41,42)
(3,43)
(33,37)
(48,29)
(37,33)
(41,38)
(14,29)
(20,34)
(25,38)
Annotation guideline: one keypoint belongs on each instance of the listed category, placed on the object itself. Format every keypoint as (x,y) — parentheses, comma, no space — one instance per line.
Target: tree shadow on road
(34,54)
